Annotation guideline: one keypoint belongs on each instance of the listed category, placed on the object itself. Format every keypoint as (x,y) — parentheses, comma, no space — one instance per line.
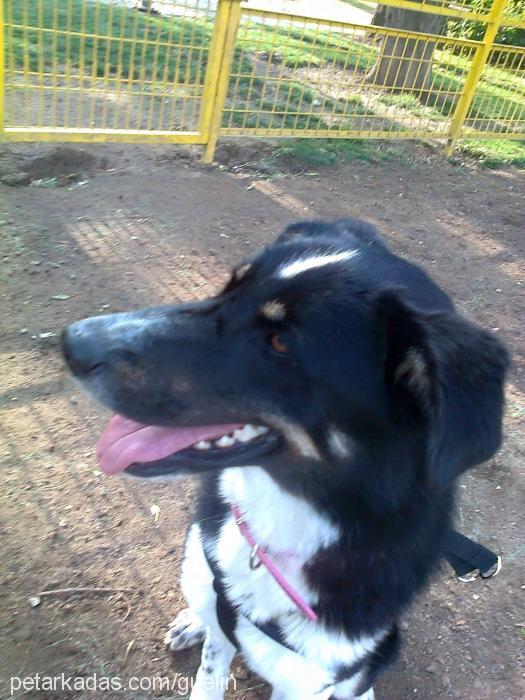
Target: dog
(329,396)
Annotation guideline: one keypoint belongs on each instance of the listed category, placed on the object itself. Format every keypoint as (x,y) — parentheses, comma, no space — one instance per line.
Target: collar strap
(260,557)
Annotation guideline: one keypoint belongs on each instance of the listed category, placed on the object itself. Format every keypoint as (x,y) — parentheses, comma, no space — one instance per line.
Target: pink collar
(259,556)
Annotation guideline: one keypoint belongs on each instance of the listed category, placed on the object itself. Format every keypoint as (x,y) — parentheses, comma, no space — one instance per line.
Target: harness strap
(227,614)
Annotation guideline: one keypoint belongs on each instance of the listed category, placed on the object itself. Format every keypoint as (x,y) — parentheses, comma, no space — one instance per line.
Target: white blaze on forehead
(303,264)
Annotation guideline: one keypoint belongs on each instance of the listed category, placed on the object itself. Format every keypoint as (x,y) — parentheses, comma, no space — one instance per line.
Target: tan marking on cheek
(340,444)
(274,310)
(129,374)
(242,271)
(302,442)
(140,378)
(130,381)
(297,437)
(183,385)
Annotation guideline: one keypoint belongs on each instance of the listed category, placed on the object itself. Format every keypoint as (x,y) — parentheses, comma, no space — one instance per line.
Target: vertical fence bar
(2,71)
(218,72)
(479,62)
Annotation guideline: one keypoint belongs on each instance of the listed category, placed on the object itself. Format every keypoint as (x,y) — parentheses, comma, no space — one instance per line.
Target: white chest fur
(286,526)
(292,531)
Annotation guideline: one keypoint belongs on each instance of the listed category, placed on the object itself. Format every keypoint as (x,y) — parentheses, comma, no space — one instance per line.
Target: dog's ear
(303,229)
(453,373)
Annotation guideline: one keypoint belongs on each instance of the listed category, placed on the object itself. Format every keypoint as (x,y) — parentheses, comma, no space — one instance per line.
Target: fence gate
(111,70)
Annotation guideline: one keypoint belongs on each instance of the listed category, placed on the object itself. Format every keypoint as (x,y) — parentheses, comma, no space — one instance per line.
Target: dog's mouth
(152,450)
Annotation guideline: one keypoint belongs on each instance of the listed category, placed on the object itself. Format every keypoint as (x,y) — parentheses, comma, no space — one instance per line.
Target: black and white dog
(331,395)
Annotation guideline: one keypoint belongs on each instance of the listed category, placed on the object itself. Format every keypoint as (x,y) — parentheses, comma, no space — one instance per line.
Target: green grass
(153,46)
(298,48)
(501,92)
(412,105)
(142,32)
(320,153)
(495,153)
(325,152)
(272,104)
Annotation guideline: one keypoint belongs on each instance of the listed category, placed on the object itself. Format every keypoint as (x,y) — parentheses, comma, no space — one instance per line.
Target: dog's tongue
(124,442)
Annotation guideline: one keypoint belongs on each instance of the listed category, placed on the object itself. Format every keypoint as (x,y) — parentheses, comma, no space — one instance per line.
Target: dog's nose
(82,347)
(91,344)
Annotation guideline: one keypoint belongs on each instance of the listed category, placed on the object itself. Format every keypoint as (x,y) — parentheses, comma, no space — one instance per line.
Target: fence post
(481,56)
(218,72)
(2,72)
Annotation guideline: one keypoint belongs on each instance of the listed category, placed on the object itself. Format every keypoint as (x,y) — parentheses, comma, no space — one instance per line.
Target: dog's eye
(277,343)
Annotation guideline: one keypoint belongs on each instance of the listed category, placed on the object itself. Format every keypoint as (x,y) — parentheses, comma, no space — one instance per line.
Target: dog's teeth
(249,432)
(224,441)
(245,434)
(239,435)
(202,445)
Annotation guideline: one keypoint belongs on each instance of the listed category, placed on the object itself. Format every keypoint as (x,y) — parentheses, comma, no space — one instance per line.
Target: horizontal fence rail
(191,71)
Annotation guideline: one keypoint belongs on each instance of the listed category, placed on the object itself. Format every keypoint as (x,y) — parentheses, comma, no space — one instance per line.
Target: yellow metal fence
(190,71)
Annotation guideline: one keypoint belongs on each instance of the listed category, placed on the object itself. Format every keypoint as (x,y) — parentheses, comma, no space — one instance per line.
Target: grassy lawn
(496,153)
(297,48)
(500,94)
(315,153)
(142,45)
(272,74)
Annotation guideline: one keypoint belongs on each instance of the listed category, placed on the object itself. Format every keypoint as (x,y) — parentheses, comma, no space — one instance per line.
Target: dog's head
(324,354)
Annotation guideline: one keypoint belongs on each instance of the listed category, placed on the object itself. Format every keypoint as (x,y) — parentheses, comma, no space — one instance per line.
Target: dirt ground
(132,226)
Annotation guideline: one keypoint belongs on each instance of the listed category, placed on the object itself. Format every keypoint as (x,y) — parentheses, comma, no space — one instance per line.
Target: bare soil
(143,225)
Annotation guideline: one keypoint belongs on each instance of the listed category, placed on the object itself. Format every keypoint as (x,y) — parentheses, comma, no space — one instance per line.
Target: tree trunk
(378,18)
(405,64)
